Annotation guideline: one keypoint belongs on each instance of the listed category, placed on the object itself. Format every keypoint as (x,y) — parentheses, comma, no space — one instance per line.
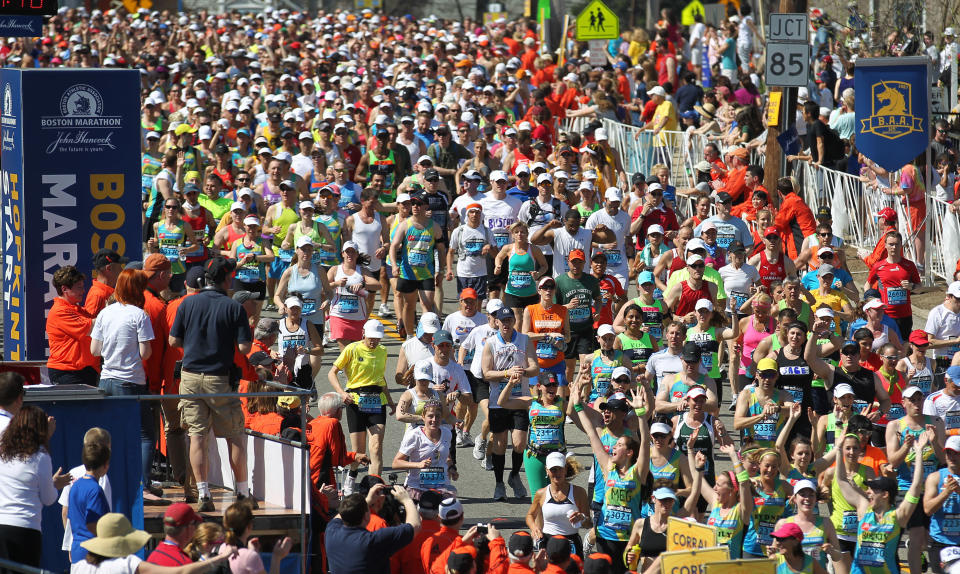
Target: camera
(482,528)
(392,477)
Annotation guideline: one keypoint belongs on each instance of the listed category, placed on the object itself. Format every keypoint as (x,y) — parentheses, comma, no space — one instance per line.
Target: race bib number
(516,390)
(579,314)
(286,255)
(896,412)
(765,533)
(738,299)
(795,392)
(520,280)
(172,253)
(897,296)
(724,239)
(859,406)
(474,247)
(952,420)
(706,360)
(618,517)
(317,257)
(614,257)
(417,258)
(248,274)
(545,436)
(871,554)
(923,383)
(348,304)
(765,430)
(850,520)
(546,350)
(951,524)
(433,476)
(296,341)
(502,237)
(309,306)
(146,182)
(369,404)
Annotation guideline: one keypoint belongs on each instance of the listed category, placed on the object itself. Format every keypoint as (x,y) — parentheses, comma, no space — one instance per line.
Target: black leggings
(18,544)
(614,549)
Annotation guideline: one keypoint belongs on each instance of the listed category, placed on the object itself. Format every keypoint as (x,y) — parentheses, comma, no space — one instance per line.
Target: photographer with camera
(352,549)
(484,543)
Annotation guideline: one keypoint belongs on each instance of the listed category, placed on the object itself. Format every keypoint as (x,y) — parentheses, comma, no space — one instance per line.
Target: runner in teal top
(787,548)
(880,524)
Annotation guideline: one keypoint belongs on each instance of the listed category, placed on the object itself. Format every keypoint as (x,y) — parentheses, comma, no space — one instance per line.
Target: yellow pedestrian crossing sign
(597,22)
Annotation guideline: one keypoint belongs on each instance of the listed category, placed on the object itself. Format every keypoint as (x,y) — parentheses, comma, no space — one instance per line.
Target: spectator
(244,558)
(114,550)
(407,561)
(451,520)
(210,326)
(98,436)
(87,500)
(158,270)
(107,265)
(27,484)
(347,533)
(794,220)
(68,332)
(122,335)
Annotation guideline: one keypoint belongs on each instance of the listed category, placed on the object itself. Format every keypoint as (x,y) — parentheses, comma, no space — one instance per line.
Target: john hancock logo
(891,107)
(81,125)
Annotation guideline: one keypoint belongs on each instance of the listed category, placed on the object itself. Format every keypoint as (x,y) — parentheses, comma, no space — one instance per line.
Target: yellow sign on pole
(491,17)
(686,535)
(742,567)
(597,22)
(689,11)
(773,109)
(692,561)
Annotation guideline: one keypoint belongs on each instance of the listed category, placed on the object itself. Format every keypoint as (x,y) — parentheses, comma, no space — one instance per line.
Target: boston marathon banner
(893,109)
(69,186)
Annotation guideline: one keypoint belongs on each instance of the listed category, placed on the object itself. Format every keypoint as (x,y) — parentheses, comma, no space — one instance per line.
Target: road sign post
(597,22)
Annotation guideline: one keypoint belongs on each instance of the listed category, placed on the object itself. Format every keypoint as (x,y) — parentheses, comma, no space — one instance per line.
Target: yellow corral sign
(742,567)
(597,22)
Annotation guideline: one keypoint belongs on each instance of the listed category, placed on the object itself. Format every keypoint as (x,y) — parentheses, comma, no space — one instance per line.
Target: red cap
(468,293)
(155,263)
(888,213)
(770,231)
(180,514)
(577,254)
(919,337)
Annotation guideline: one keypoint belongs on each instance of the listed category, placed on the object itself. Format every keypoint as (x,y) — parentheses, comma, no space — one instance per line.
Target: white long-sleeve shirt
(26,486)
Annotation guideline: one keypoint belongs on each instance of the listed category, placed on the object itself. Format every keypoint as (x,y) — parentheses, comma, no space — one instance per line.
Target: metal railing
(854,200)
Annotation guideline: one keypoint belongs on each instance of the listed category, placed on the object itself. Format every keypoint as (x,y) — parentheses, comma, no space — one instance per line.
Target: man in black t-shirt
(826,149)
(210,327)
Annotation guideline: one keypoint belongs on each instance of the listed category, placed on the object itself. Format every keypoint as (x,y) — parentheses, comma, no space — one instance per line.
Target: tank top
(795,379)
(310,291)
(861,380)
(416,253)
(329,255)
(844,514)
(752,338)
(198,223)
(766,431)
(520,274)
(149,168)
(292,338)
(388,166)
(805,311)
(704,442)
(689,297)
(771,272)
(601,372)
(652,543)
(393,229)
(768,508)
(667,474)
(880,340)
(252,271)
(607,439)
(232,235)
(709,349)
(367,238)
(945,523)
(877,541)
(679,387)
(922,378)
(729,527)
(555,521)
(677,263)
(546,427)
(929,457)
(269,197)
(637,351)
(288,217)
(894,384)
(345,304)
(313,232)
(155,202)
(506,354)
(170,240)
(621,503)
(551,320)
(653,316)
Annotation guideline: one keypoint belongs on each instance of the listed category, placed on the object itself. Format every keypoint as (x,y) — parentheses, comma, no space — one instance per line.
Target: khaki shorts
(223,415)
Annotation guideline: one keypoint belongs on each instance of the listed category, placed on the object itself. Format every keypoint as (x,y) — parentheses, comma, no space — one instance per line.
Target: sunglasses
(698,266)
(172,206)
(553,384)
(767,374)
(824,234)
(548,287)
(850,352)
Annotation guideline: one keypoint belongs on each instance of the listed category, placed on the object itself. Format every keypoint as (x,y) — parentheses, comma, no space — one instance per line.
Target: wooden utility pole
(775,161)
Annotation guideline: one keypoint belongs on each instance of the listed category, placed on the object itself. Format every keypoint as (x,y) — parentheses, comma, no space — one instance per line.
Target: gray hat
(243,296)
(442,336)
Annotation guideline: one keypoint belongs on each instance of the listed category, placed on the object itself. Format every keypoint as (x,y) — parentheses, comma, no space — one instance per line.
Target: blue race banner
(893,109)
(71,186)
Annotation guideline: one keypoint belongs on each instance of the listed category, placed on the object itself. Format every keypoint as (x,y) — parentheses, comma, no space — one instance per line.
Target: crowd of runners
(314,185)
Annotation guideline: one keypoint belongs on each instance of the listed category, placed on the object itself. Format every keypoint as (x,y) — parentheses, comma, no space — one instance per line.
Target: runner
(411,252)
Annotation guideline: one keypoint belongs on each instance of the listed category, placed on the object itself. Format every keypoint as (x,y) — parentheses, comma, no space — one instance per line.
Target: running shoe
(270,307)
(206,504)
(480,449)
(464,438)
(487,463)
(384,311)
(517,485)
(500,492)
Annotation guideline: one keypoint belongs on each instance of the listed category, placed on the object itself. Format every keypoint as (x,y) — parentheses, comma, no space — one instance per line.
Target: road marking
(388,323)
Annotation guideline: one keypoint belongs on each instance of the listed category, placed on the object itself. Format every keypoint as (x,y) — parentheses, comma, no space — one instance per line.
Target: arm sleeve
(498,562)
(144,328)
(408,445)
(393,538)
(96,332)
(97,508)
(344,359)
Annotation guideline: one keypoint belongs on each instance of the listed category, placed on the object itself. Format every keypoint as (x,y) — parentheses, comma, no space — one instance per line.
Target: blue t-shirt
(87,504)
(515,191)
(841,277)
(343,542)
(885,320)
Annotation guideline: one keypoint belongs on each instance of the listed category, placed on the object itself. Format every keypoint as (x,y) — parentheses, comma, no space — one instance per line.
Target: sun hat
(116,537)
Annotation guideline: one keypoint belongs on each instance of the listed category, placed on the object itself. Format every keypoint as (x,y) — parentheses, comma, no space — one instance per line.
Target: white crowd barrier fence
(854,201)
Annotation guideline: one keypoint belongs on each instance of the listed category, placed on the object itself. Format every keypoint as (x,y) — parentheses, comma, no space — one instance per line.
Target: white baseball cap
(694,258)
(843,389)
(824,312)
(423,370)
(704,304)
(954,289)
(804,484)
(499,175)
(306,205)
(873,304)
(303,241)
(544,177)
(555,459)
(613,194)
(605,329)
(251,220)
(292,301)
(349,245)
(373,329)
(953,443)
(238,205)
(620,372)
(655,228)
(660,428)
(494,305)
(245,191)
(600,134)
(429,322)
(910,391)
(657,91)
